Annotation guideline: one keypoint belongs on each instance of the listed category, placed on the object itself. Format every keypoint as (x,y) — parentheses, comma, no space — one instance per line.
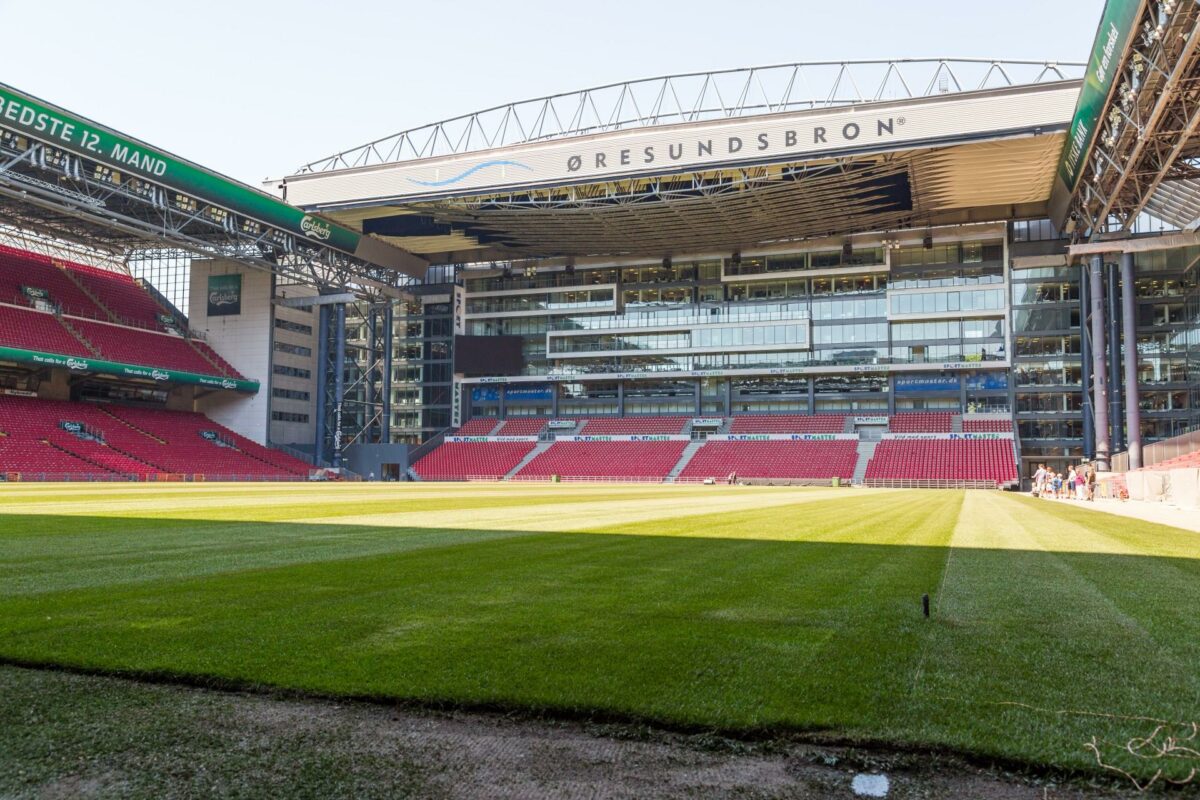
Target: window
(288,416)
(294,327)
(289,394)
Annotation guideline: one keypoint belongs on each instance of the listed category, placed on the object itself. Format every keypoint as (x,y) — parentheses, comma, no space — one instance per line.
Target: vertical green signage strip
(1112,37)
(25,114)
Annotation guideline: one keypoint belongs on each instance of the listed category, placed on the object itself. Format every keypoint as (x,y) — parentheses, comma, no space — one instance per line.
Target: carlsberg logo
(315,228)
(76,363)
(227,384)
(159,375)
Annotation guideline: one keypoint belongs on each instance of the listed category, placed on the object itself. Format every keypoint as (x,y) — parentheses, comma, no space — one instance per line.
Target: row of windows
(934,277)
(582,298)
(291,372)
(846,334)
(288,416)
(750,336)
(289,394)
(294,327)
(949,253)
(294,349)
(791,262)
(941,302)
(948,329)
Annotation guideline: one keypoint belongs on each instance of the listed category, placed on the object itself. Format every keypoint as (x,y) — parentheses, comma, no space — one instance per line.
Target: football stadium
(843,410)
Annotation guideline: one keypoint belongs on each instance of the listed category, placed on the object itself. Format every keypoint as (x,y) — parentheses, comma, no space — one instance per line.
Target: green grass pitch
(730,608)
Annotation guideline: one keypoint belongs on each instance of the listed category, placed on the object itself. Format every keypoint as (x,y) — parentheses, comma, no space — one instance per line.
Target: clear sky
(255,88)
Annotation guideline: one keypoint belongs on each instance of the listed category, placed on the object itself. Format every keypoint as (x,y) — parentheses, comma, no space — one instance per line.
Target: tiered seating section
(458,461)
(27,329)
(103,314)
(943,460)
(789,423)
(987,426)
(522,426)
(922,422)
(633,426)
(128,442)
(773,460)
(605,460)
(479,426)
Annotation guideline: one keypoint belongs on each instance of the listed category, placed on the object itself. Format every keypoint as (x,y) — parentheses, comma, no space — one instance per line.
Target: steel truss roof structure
(1146,157)
(696,97)
(56,193)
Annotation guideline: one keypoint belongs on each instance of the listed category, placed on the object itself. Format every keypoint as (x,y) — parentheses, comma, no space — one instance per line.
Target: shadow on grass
(1029,654)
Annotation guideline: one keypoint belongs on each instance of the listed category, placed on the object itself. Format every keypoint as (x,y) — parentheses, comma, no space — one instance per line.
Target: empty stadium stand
(898,460)
(987,425)
(479,426)
(922,422)
(104,314)
(522,426)
(460,461)
(789,423)
(634,426)
(113,441)
(605,460)
(26,329)
(778,460)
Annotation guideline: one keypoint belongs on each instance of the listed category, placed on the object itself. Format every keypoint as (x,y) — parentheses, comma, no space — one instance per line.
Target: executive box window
(943,302)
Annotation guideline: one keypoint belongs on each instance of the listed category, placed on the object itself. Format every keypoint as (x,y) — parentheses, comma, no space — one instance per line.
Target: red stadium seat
(459,461)
(789,423)
(783,460)
(606,460)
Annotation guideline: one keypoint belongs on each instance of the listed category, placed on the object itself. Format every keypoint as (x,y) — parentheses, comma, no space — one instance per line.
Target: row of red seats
(789,423)
(943,459)
(132,441)
(634,426)
(457,461)
(774,459)
(605,460)
(922,422)
(987,426)
(20,268)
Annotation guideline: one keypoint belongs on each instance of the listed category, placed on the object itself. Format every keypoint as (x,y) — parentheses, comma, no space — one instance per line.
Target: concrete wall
(244,340)
(365,459)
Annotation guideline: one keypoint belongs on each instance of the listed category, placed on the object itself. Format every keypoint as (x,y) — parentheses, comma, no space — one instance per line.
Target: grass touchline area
(732,608)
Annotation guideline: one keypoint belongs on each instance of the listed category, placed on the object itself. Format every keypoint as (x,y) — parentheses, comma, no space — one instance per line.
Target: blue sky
(258,87)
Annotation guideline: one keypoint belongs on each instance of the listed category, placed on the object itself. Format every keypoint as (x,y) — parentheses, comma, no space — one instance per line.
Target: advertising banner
(782,437)
(40,120)
(78,364)
(931,436)
(659,437)
(224,295)
(1112,37)
(464,439)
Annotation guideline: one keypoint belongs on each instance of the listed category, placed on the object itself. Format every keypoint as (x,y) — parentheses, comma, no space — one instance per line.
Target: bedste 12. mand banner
(1112,37)
(40,120)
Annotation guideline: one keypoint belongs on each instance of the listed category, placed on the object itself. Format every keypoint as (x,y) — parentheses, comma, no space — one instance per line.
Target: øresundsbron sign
(1112,37)
(40,120)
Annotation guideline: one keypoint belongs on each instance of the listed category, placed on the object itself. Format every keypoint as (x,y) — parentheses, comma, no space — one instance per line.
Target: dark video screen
(475,356)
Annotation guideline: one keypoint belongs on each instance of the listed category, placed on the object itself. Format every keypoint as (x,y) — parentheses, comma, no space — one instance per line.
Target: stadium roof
(712,161)
(77,180)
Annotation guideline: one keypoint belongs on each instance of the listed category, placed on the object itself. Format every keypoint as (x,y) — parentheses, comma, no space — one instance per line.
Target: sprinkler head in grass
(925,605)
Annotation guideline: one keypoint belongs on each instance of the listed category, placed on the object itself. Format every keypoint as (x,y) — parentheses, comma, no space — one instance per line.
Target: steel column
(1085,366)
(339,380)
(1099,361)
(1113,319)
(1133,412)
(320,451)
(388,337)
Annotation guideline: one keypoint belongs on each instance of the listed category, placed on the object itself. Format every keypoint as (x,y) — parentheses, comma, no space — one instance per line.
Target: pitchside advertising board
(224,295)
(40,120)
(671,149)
(1112,37)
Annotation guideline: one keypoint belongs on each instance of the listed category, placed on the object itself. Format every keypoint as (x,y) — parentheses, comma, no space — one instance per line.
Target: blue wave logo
(472,171)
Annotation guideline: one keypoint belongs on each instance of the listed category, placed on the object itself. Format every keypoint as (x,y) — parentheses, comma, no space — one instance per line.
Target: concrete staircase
(866,449)
(540,448)
(81,286)
(688,452)
(956,423)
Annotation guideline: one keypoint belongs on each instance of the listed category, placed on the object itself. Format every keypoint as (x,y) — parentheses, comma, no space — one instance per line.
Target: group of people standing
(1078,484)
